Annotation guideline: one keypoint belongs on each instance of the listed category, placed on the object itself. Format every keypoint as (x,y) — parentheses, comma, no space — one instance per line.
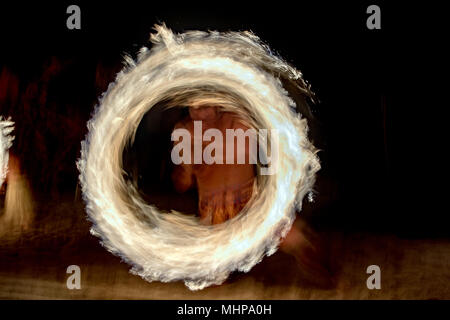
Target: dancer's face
(203,113)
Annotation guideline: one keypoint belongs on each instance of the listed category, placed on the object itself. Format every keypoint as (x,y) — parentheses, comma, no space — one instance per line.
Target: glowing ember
(233,70)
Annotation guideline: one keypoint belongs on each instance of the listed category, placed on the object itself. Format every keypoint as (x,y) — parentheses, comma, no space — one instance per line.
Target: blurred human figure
(224,189)
(18,213)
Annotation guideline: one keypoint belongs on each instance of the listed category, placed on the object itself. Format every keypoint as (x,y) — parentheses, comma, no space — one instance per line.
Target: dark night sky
(362,77)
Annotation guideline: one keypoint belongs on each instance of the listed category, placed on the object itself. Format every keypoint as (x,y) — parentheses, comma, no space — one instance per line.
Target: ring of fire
(238,72)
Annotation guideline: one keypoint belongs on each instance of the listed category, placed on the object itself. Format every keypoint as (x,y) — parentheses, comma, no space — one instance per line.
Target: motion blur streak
(18,212)
(6,140)
(239,73)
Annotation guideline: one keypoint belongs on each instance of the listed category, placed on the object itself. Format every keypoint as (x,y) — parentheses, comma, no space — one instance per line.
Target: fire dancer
(225,189)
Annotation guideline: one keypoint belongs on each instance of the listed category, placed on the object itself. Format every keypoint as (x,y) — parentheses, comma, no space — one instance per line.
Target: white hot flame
(6,140)
(239,73)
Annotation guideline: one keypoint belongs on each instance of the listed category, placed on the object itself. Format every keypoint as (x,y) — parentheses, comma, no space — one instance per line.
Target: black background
(370,83)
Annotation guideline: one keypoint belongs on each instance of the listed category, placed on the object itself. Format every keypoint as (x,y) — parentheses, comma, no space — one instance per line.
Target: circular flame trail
(239,73)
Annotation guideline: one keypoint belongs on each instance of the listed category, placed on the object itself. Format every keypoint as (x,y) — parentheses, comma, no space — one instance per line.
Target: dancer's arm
(182,177)
(182,174)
